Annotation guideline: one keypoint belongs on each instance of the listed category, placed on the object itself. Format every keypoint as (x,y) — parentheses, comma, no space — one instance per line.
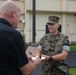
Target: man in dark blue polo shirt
(13,60)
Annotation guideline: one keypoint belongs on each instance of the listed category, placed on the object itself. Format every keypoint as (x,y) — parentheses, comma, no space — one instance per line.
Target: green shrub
(72,71)
(72,47)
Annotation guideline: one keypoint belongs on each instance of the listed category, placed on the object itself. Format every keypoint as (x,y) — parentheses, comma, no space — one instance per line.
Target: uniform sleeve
(42,40)
(66,44)
(39,47)
(17,52)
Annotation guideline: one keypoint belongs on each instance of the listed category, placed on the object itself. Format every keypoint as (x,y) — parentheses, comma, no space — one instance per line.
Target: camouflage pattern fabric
(52,45)
(53,20)
(54,71)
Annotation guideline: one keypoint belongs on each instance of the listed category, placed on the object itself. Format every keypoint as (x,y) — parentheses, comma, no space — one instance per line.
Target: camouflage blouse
(52,45)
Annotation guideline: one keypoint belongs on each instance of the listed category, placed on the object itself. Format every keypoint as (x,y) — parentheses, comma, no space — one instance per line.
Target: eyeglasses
(50,24)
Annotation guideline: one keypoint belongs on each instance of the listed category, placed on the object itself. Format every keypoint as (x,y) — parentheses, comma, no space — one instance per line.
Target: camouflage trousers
(53,71)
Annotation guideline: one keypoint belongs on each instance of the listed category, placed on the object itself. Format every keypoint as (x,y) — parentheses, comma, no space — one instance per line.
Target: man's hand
(33,58)
(37,61)
(30,67)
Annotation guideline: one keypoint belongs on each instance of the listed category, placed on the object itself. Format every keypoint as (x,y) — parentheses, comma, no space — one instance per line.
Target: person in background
(54,46)
(13,60)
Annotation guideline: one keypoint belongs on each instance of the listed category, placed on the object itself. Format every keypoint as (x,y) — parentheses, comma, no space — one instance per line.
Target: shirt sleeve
(66,48)
(17,52)
(66,44)
(39,47)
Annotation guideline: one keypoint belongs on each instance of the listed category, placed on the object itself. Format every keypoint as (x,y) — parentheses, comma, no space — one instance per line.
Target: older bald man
(13,60)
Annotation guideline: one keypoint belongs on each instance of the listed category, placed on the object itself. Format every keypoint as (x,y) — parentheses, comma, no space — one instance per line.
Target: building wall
(65,9)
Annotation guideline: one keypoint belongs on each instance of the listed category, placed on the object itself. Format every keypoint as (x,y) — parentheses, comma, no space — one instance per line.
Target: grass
(73,47)
(73,69)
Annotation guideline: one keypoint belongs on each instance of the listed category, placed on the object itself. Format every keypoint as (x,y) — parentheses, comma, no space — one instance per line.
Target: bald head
(9,6)
(11,12)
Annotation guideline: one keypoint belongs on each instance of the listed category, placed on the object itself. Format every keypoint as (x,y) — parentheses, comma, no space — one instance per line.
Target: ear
(13,14)
(58,25)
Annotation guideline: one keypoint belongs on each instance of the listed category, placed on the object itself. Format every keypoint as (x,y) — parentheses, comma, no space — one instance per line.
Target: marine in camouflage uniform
(53,45)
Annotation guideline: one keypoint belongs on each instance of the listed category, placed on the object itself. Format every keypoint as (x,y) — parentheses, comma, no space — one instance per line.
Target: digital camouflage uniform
(52,45)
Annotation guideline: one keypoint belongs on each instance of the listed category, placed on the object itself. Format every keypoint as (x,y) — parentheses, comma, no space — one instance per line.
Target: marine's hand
(46,57)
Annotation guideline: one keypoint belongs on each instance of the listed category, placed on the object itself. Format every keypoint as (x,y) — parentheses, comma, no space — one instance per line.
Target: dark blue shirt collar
(4,21)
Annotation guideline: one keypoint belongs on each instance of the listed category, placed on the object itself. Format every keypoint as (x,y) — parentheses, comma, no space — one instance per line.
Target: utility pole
(34,21)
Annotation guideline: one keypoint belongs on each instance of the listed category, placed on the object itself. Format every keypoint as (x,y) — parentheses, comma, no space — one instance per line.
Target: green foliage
(73,47)
(72,71)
